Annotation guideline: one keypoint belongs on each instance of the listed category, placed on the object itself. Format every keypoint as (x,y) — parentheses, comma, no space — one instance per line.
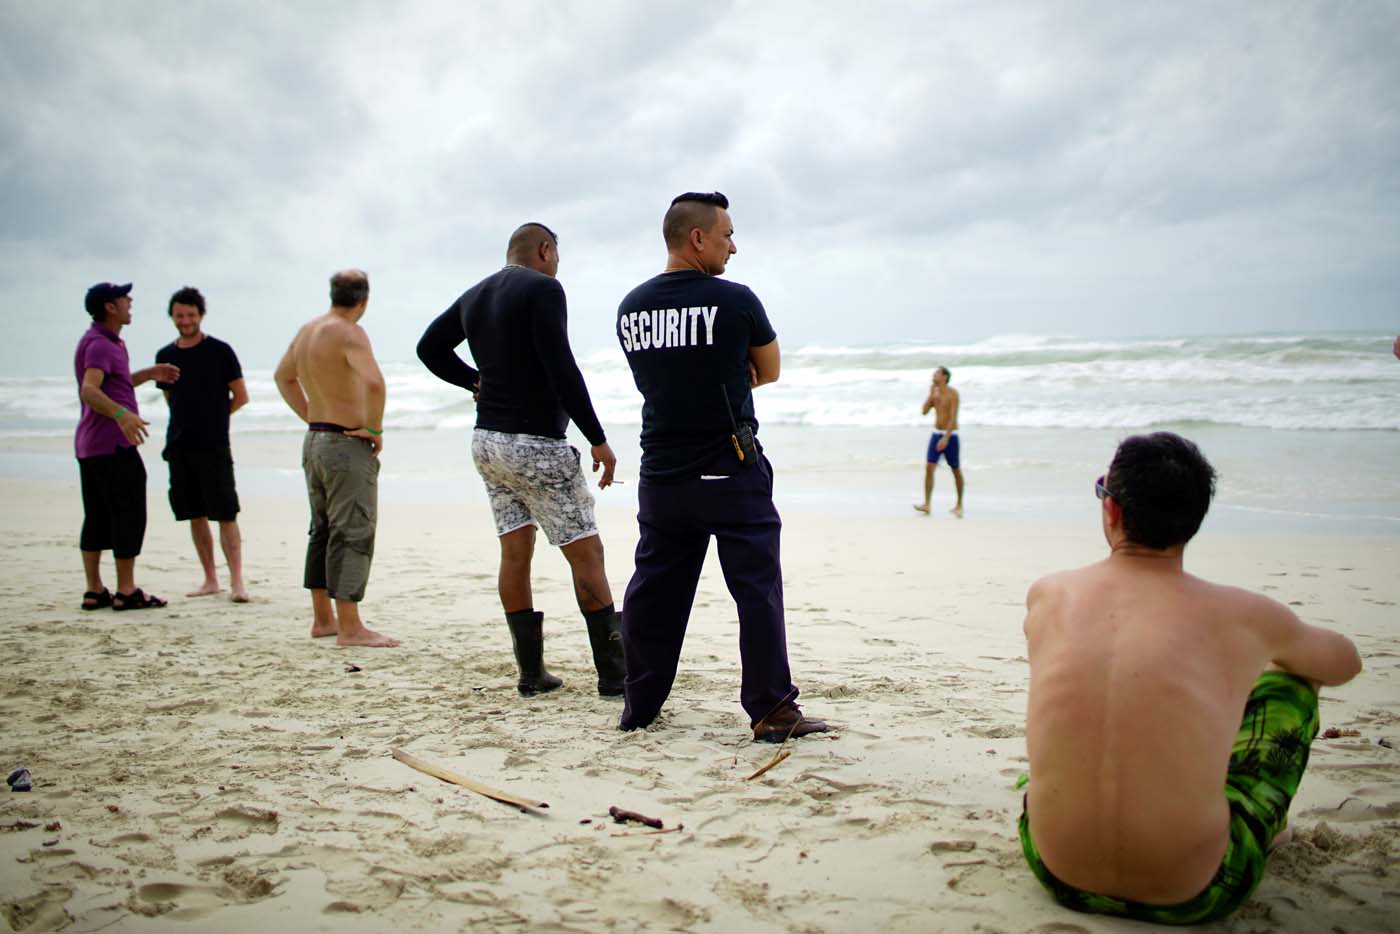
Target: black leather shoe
(785,723)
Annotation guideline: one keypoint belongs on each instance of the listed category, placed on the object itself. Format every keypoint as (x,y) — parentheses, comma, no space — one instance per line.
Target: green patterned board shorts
(1266,765)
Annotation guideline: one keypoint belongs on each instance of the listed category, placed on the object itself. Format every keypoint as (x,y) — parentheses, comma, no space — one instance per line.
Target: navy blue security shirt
(516,323)
(687,337)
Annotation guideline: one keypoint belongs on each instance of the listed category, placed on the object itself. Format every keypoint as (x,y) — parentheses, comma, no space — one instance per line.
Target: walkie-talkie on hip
(742,438)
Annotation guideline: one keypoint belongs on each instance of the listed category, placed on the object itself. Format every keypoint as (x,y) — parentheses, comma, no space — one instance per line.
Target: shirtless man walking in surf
(943,399)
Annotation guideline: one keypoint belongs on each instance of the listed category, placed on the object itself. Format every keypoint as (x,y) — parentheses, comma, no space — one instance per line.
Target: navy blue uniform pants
(676,522)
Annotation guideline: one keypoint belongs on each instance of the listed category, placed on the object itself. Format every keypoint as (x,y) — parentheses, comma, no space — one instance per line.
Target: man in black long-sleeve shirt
(527,389)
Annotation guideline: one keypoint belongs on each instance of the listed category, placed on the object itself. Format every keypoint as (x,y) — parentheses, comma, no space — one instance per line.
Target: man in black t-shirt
(211,388)
(697,345)
(527,390)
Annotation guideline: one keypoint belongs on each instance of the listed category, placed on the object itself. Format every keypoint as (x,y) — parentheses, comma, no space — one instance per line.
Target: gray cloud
(953,169)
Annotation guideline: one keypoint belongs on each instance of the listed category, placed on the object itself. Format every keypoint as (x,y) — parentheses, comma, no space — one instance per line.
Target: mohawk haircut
(688,211)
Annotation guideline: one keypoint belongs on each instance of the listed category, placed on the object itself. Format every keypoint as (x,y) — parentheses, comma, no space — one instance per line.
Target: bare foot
(957,511)
(240,596)
(1284,836)
(369,638)
(205,589)
(319,632)
(922,509)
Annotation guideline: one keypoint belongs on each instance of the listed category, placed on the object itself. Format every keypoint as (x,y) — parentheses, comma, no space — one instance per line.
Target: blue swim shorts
(951,451)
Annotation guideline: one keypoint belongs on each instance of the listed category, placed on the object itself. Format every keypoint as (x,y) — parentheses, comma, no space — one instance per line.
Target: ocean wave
(1326,381)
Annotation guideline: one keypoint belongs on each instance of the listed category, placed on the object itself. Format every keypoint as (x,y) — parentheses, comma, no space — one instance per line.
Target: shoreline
(1271,483)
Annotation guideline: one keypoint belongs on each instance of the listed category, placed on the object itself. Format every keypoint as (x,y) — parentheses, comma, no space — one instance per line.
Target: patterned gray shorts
(536,480)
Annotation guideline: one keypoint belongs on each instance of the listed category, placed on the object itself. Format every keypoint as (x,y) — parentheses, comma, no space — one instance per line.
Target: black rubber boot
(527,637)
(605,635)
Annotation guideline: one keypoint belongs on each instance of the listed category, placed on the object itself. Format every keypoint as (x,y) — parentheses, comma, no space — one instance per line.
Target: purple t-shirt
(100,349)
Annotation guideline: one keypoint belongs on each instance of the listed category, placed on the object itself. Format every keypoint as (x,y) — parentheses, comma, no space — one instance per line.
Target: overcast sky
(935,172)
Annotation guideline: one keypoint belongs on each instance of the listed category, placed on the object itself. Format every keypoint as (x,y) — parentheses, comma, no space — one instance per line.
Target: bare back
(324,354)
(1139,677)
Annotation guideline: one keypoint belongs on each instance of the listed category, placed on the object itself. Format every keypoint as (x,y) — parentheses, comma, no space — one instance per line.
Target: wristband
(117,416)
(373,432)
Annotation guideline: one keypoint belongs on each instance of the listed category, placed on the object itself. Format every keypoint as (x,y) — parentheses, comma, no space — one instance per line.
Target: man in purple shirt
(109,466)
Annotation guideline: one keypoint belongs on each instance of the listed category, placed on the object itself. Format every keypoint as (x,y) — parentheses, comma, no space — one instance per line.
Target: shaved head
(688,211)
(526,240)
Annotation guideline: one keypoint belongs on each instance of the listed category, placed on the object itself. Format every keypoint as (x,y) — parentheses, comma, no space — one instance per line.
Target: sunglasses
(1101,488)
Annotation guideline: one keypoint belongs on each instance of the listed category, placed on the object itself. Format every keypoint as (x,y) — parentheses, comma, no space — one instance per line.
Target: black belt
(328,426)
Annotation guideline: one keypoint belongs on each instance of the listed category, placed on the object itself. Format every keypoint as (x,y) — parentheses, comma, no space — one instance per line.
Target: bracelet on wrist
(373,431)
(117,415)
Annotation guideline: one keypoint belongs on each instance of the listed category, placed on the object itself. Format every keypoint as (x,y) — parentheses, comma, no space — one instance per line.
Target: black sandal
(99,600)
(136,600)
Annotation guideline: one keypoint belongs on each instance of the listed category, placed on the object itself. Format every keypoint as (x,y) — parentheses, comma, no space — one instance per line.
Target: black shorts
(201,485)
(114,503)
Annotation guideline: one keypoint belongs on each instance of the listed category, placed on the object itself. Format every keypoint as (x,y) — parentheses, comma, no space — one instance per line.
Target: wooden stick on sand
(776,759)
(622,816)
(447,775)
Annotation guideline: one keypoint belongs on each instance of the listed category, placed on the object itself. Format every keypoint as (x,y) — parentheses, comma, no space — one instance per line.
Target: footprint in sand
(41,912)
(190,902)
(1354,810)
(363,895)
(73,872)
(1001,731)
(952,846)
(242,820)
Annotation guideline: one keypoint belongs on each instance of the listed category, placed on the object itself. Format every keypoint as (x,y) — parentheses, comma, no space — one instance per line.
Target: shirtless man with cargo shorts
(329,377)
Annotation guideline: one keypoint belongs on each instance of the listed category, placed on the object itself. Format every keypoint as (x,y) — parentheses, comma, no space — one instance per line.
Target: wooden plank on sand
(448,775)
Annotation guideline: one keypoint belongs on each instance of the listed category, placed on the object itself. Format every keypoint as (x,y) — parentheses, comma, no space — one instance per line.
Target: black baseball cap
(102,293)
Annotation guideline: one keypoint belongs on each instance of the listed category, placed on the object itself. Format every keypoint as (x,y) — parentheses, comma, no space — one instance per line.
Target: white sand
(210,763)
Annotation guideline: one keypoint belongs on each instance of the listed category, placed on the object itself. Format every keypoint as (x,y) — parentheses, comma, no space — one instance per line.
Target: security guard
(697,344)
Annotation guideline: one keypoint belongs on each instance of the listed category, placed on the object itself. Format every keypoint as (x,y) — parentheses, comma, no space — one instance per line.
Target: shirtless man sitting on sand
(1170,718)
(330,379)
(943,399)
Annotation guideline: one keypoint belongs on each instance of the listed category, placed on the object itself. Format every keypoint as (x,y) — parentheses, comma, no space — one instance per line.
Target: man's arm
(437,348)
(161,372)
(288,385)
(238,395)
(132,425)
(550,334)
(1311,652)
(360,356)
(551,337)
(764,364)
(929,402)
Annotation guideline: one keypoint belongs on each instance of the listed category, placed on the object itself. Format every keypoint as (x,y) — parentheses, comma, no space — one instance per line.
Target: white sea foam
(1325,382)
